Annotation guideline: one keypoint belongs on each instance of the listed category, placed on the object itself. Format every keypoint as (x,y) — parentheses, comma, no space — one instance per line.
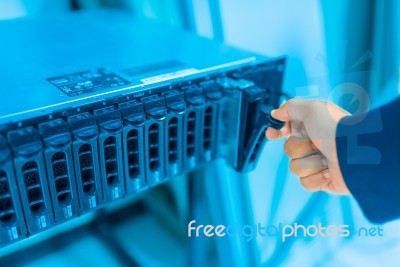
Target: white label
(171,75)
(68,211)
(14,232)
(116,193)
(92,202)
(174,169)
(43,222)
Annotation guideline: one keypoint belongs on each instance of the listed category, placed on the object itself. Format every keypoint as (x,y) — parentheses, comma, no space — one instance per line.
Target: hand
(311,128)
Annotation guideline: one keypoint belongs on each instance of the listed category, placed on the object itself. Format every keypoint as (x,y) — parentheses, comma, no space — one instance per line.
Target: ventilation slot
(133,154)
(7,212)
(154,147)
(86,169)
(33,188)
(207,128)
(110,157)
(61,179)
(173,140)
(190,135)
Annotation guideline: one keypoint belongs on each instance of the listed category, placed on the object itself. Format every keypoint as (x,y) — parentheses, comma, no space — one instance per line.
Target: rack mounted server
(98,106)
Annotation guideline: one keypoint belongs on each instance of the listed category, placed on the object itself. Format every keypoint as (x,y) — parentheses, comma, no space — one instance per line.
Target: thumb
(282,113)
(291,110)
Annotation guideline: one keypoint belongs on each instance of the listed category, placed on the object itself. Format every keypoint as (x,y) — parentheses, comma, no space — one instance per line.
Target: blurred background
(328,44)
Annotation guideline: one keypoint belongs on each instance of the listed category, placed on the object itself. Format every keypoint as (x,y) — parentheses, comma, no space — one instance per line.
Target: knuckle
(304,183)
(296,168)
(288,148)
(293,166)
(313,183)
(301,172)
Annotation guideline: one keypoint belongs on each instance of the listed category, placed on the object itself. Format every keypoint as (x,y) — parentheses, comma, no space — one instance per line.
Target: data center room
(133,132)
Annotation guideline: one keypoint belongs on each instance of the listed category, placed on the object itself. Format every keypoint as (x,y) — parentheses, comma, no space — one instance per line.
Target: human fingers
(317,181)
(308,165)
(299,147)
(274,134)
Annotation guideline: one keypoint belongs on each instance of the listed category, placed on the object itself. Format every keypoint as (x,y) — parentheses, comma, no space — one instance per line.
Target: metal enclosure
(98,106)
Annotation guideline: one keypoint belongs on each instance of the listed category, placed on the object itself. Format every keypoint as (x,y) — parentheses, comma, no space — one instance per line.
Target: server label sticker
(87,82)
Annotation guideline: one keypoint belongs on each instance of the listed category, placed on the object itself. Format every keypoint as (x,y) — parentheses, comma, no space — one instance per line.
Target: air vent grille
(191,134)
(86,169)
(7,212)
(154,146)
(173,140)
(61,178)
(133,153)
(110,152)
(207,129)
(33,187)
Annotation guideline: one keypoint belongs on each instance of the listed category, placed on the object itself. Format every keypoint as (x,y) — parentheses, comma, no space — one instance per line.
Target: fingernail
(273,113)
(326,174)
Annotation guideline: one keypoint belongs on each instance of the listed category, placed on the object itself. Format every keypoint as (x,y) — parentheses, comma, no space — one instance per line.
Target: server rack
(110,132)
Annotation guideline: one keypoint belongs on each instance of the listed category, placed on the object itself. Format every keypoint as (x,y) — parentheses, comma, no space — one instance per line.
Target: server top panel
(54,64)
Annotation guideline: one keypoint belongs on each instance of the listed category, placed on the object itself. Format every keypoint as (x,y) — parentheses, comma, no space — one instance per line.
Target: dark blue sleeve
(368,147)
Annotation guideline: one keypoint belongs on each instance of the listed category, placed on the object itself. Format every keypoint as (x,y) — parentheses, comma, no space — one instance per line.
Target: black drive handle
(257,138)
